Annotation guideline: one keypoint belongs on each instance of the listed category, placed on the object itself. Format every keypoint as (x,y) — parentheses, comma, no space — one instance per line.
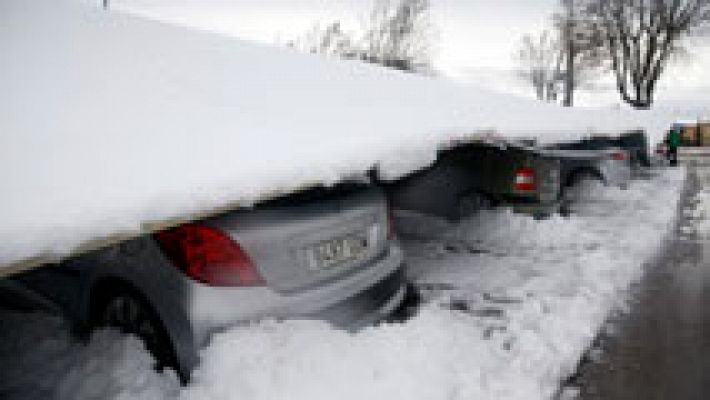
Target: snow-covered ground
(699,216)
(697,213)
(511,303)
(113,125)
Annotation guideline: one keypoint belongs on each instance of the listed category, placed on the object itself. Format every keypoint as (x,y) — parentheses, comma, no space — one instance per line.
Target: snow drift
(112,125)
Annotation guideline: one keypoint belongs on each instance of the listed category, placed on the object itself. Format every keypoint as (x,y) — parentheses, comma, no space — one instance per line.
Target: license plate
(333,252)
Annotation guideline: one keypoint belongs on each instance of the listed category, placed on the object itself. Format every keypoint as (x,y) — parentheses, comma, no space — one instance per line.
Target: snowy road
(661,348)
(511,304)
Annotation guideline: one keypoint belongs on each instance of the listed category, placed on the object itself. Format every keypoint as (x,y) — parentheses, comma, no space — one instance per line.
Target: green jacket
(674,138)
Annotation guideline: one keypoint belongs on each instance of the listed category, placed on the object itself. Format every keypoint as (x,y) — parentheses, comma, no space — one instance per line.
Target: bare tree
(397,35)
(553,70)
(639,37)
(330,40)
(568,22)
(579,47)
(540,59)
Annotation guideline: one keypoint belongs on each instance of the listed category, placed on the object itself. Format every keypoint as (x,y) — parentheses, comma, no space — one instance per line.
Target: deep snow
(511,303)
(112,124)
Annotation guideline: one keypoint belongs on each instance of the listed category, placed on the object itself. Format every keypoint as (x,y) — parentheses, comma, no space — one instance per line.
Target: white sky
(476,38)
(472,33)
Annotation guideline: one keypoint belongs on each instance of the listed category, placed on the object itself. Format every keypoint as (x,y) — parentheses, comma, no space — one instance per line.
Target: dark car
(470,176)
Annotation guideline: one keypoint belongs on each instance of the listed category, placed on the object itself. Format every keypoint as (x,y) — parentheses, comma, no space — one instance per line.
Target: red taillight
(390,225)
(619,156)
(525,179)
(208,256)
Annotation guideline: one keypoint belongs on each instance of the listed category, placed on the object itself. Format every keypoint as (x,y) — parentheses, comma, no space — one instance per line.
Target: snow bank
(511,304)
(697,213)
(53,365)
(112,124)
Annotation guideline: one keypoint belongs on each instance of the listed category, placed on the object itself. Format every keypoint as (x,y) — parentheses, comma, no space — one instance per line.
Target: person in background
(673,141)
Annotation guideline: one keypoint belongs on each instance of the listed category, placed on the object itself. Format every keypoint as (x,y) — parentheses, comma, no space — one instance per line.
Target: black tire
(408,308)
(574,193)
(472,203)
(126,310)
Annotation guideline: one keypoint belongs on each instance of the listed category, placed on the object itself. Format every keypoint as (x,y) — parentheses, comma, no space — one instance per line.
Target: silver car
(322,253)
(635,142)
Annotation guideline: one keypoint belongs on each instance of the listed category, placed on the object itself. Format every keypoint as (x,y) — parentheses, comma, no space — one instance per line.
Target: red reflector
(525,179)
(618,155)
(208,256)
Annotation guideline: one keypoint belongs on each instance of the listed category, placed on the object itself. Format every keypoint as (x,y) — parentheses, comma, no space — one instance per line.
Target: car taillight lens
(525,179)
(390,225)
(208,255)
(619,156)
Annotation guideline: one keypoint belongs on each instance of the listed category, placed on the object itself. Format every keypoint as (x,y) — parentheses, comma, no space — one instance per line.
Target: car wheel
(472,203)
(576,197)
(409,307)
(131,314)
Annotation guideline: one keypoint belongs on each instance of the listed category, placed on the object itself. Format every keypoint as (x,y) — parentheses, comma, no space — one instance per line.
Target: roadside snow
(112,123)
(698,212)
(699,216)
(511,303)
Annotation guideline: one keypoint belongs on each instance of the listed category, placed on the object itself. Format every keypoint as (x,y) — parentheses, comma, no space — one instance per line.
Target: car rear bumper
(369,306)
(531,206)
(350,301)
(537,210)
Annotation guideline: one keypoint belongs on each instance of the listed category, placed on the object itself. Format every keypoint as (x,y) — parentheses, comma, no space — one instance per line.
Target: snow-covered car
(321,253)
(471,176)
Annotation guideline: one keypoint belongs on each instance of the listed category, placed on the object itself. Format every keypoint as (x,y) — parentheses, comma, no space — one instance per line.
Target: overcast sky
(476,38)
(472,33)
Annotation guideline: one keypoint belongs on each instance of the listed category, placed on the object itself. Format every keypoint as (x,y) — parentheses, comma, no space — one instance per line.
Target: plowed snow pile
(110,123)
(511,304)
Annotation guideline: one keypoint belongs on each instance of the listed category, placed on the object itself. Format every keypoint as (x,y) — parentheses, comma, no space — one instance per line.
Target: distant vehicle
(472,176)
(693,132)
(322,253)
(634,142)
(580,170)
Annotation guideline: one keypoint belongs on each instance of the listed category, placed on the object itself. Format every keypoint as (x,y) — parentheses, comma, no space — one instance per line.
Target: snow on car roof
(113,125)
